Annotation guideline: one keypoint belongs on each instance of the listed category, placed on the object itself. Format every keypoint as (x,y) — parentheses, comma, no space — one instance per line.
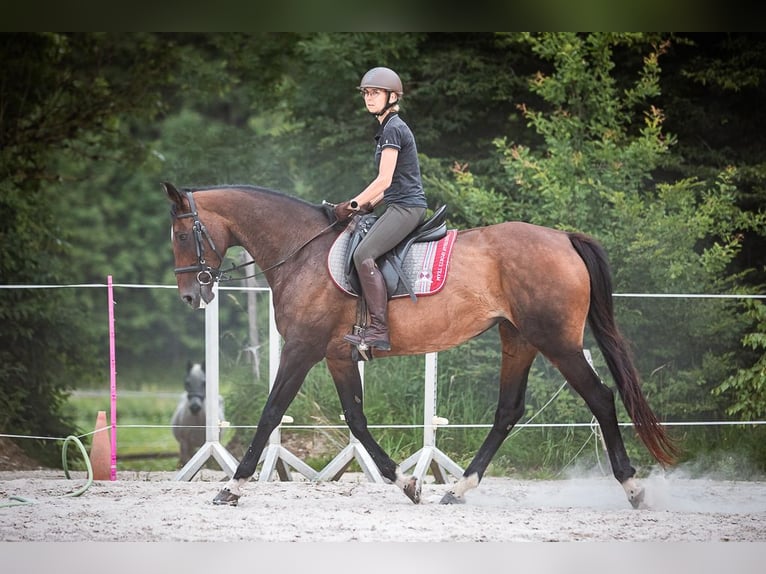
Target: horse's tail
(615,350)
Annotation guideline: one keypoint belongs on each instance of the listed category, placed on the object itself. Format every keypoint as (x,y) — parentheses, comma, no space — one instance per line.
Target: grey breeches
(396,223)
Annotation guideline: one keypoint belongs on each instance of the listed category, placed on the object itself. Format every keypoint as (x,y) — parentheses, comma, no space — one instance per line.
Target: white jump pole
(276,458)
(353,451)
(212,446)
(429,456)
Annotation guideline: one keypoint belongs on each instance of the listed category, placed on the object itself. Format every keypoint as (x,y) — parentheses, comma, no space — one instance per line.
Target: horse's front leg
(294,364)
(348,383)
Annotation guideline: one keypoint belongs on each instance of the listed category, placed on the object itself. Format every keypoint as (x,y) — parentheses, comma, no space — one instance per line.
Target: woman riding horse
(398,186)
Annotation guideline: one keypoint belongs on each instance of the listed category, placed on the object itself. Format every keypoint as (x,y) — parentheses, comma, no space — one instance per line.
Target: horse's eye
(183,236)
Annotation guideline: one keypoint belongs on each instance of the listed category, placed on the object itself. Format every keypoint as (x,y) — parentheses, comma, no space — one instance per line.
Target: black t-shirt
(406,186)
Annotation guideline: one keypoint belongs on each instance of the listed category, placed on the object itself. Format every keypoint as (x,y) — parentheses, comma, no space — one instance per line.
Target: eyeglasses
(373,93)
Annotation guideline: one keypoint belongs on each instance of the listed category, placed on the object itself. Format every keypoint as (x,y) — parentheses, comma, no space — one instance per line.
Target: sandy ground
(142,507)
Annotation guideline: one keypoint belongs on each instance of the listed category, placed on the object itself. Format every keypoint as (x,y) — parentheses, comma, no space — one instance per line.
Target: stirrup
(360,351)
(358,340)
(354,339)
(356,336)
(363,345)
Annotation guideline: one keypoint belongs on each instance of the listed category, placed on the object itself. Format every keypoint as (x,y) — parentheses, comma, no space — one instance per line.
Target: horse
(538,286)
(189,419)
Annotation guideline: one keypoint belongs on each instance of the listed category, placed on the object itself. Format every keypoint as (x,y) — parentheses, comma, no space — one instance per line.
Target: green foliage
(469,203)
(746,388)
(39,357)
(597,145)
(38,353)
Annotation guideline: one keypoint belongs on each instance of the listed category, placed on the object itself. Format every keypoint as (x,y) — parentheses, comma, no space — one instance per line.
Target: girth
(390,264)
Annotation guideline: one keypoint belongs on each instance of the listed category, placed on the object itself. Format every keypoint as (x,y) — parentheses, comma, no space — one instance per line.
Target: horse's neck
(271,227)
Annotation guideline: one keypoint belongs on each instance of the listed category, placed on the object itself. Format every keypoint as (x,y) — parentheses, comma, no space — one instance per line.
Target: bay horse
(538,286)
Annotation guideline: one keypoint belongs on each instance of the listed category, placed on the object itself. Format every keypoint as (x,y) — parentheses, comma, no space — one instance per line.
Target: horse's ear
(188,365)
(173,194)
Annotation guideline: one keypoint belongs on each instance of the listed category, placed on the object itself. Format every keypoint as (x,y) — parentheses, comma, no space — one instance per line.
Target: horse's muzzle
(195,406)
(198,297)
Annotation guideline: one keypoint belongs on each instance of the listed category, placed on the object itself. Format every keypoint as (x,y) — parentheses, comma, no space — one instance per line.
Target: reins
(223,274)
(207,274)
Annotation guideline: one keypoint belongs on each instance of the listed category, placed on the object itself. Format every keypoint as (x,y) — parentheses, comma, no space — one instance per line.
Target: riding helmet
(384,78)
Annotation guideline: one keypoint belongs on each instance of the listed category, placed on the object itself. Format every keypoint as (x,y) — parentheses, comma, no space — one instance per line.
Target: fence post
(275,457)
(429,456)
(212,446)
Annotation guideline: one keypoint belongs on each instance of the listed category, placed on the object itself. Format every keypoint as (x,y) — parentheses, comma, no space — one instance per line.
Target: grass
(143,421)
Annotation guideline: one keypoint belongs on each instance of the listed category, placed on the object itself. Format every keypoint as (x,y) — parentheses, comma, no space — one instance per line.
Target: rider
(398,185)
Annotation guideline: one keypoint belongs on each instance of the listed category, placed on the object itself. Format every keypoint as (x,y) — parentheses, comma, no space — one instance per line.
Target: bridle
(207,274)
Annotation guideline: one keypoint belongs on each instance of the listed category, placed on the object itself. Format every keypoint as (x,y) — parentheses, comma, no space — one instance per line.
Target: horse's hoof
(637,500)
(226,497)
(412,490)
(450,498)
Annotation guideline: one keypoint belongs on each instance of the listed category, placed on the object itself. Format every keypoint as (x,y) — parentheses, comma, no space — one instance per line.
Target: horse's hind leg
(518,356)
(348,383)
(600,400)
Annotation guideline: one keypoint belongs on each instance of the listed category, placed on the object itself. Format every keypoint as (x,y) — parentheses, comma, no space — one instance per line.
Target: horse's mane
(254,189)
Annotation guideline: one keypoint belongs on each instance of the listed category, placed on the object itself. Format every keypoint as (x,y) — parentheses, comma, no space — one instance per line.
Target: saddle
(390,264)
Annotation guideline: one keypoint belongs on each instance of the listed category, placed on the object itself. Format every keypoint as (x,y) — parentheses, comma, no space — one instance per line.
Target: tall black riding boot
(375,295)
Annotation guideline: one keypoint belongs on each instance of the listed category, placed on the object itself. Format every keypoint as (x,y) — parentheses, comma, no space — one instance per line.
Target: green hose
(20,500)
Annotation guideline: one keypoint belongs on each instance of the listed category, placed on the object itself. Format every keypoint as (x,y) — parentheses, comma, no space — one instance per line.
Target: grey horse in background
(188,421)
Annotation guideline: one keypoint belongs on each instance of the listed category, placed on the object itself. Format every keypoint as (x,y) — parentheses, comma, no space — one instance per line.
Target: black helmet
(384,78)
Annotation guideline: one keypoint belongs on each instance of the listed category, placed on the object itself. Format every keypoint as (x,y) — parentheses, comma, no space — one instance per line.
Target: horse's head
(195,386)
(198,247)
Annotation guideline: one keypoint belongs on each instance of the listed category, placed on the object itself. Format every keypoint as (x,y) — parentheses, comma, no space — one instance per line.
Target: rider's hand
(344,210)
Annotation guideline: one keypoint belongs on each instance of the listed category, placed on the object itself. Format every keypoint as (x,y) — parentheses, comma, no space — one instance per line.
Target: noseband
(205,273)
(201,396)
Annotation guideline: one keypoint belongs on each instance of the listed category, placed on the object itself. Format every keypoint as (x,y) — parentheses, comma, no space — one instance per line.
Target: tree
(604,143)
(61,95)
(713,86)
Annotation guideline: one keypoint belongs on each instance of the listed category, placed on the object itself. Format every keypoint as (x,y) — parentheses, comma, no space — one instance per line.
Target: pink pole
(112,382)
